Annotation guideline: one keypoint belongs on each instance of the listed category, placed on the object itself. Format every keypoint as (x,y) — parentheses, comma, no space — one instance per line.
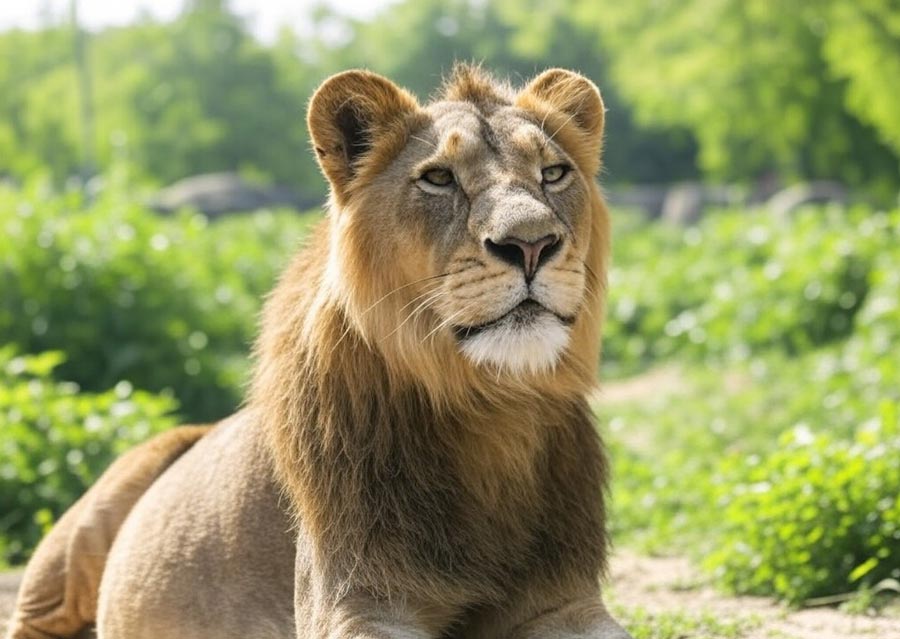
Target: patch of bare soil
(673,585)
(9,584)
(663,380)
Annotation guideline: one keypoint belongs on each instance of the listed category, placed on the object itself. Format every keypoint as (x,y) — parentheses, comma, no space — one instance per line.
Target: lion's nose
(529,256)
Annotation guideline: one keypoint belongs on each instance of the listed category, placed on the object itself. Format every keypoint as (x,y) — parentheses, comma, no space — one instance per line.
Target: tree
(416,41)
(862,44)
(750,80)
(173,99)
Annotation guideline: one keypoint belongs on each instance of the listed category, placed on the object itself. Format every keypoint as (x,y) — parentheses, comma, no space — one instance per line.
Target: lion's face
(502,210)
(478,217)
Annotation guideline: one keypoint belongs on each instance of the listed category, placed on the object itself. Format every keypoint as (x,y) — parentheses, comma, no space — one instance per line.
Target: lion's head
(469,232)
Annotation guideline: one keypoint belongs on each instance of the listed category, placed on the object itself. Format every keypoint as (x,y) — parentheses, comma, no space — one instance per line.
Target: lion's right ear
(347,115)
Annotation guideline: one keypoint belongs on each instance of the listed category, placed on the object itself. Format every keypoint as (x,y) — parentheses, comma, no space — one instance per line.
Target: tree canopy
(726,90)
(802,89)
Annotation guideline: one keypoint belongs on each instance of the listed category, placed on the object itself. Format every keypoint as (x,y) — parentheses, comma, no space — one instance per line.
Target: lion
(416,458)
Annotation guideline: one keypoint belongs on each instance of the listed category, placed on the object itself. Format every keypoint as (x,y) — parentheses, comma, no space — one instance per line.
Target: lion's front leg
(327,606)
(358,617)
(580,619)
(549,611)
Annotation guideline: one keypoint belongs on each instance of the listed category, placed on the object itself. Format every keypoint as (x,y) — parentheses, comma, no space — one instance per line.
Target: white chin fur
(519,349)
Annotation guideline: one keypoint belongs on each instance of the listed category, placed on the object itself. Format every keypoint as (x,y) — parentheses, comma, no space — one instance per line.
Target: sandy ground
(672,585)
(669,585)
(9,582)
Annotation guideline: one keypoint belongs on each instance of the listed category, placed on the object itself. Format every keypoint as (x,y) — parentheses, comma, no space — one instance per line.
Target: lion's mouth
(522,315)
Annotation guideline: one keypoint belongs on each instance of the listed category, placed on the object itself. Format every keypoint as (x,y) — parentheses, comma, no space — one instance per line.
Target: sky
(265,16)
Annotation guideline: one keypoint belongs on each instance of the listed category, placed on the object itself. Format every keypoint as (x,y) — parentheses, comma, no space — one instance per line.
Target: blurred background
(155,175)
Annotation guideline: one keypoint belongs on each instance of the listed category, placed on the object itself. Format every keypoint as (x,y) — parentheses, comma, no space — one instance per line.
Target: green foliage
(56,441)
(668,447)
(743,283)
(170,100)
(861,46)
(816,517)
(163,303)
(692,455)
(516,39)
(764,86)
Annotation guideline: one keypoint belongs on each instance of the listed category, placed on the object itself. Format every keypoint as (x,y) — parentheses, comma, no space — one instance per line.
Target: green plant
(56,441)
(742,284)
(166,303)
(818,516)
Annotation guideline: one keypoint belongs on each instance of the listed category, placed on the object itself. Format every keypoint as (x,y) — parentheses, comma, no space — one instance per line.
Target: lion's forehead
(463,133)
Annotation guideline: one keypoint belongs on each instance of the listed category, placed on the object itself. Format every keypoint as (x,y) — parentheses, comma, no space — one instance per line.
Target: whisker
(400,288)
(428,142)
(481,279)
(383,298)
(476,295)
(569,119)
(431,297)
(447,322)
(418,297)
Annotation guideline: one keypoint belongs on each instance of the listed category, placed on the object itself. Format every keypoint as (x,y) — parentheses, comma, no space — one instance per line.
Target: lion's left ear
(347,115)
(571,94)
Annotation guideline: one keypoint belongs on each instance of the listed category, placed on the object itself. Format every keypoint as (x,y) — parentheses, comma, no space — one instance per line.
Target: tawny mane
(471,83)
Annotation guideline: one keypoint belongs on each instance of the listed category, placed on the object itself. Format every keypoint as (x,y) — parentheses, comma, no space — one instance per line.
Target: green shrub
(56,441)
(742,283)
(667,447)
(819,516)
(777,325)
(165,303)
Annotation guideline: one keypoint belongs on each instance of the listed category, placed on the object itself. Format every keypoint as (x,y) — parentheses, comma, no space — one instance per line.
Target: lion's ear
(573,95)
(346,116)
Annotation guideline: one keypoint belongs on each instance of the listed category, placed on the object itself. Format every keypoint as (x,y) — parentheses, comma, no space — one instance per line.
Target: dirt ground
(9,582)
(669,586)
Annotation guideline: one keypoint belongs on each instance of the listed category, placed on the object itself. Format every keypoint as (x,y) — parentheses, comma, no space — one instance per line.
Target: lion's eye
(438,177)
(554,173)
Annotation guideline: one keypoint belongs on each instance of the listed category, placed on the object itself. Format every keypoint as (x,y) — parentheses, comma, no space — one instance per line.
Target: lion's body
(417,459)
(60,586)
(208,551)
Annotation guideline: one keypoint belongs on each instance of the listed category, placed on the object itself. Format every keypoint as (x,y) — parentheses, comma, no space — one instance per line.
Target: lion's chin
(529,339)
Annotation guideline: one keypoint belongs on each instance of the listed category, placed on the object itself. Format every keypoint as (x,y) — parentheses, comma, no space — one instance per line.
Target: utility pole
(85,96)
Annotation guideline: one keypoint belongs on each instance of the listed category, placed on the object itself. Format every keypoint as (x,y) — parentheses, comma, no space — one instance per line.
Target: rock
(646,197)
(685,202)
(216,194)
(793,197)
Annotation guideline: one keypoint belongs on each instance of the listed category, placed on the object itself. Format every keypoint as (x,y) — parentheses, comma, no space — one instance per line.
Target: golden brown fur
(419,397)
(58,597)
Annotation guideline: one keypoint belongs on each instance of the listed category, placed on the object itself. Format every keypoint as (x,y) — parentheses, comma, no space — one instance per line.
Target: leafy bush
(816,517)
(56,441)
(706,427)
(667,448)
(743,283)
(162,302)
